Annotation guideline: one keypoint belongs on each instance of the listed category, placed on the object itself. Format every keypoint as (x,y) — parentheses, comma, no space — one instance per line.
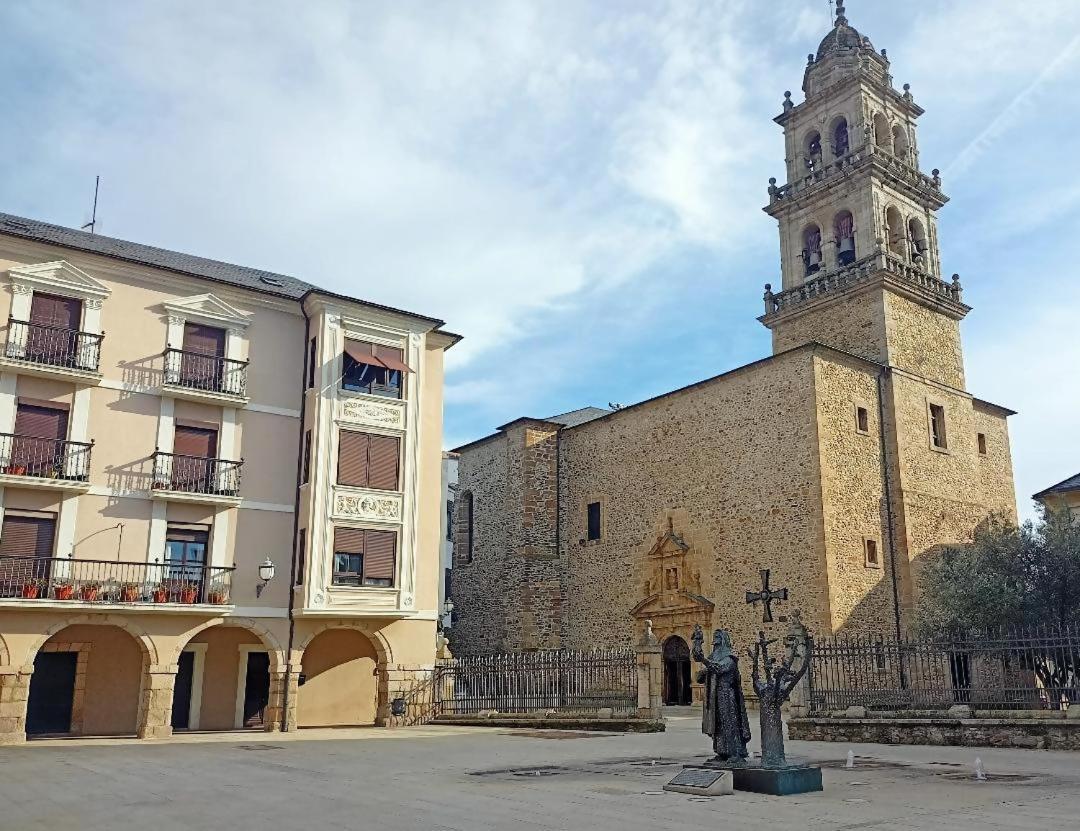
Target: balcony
(196,479)
(54,464)
(51,582)
(202,377)
(52,351)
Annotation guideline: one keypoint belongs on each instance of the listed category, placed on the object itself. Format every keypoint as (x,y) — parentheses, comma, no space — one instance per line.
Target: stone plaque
(702,782)
(373,413)
(367,506)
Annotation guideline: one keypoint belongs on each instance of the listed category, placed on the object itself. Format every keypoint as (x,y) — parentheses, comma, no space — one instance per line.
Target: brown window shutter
(206,340)
(195,441)
(353,468)
(384,452)
(50,310)
(349,540)
(25,536)
(41,422)
(379,550)
(301,551)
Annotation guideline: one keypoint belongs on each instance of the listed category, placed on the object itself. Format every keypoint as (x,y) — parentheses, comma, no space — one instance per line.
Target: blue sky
(574,186)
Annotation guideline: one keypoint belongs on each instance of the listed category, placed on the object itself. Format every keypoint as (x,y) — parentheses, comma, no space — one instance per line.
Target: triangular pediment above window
(59,277)
(667,603)
(208,309)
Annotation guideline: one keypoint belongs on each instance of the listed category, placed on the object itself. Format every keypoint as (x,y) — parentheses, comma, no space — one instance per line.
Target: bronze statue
(774,680)
(724,717)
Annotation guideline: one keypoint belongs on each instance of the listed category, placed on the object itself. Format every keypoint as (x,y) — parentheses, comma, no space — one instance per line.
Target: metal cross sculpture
(766,596)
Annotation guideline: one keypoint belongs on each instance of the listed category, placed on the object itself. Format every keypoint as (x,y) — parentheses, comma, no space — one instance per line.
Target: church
(838,464)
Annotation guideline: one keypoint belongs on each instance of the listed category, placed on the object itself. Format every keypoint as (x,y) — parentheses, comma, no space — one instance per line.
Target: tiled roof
(1070,484)
(576,417)
(266,282)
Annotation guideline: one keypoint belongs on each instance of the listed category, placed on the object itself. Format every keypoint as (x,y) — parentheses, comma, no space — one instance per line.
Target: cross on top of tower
(841,18)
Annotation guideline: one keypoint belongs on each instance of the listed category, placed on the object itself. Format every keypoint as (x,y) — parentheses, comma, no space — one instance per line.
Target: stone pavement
(462,779)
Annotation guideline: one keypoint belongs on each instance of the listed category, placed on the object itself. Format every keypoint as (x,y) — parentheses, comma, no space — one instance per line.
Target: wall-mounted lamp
(266,574)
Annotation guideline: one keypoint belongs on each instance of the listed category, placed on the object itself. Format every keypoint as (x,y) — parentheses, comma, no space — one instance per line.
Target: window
(982,443)
(364,557)
(366,460)
(201,361)
(301,550)
(305,475)
(29,535)
(449,520)
(937,427)
(593,521)
(185,553)
(313,348)
(873,560)
(862,420)
(373,369)
(38,446)
(53,334)
(466,547)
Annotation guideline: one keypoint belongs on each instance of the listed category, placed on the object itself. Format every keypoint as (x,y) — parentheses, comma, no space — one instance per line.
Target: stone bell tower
(859,250)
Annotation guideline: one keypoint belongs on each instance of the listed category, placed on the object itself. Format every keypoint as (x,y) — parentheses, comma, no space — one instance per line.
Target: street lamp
(266,574)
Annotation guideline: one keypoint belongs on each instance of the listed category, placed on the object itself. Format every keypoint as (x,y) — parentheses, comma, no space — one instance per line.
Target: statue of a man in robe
(724,717)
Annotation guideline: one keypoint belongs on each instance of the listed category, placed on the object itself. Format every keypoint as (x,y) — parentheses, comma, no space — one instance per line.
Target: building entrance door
(256,689)
(181,703)
(676,672)
(52,693)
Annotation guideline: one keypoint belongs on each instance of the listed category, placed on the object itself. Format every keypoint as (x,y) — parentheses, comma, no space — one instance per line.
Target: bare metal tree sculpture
(780,678)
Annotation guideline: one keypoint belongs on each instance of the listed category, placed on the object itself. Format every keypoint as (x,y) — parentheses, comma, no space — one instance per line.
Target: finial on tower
(841,18)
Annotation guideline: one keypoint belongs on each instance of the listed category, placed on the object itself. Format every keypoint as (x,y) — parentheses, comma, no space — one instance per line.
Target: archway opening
(894,226)
(222,681)
(920,248)
(677,686)
(812,149)
(901,145)
(844,234)
(812,249)
(840,140)
(882,134)
(339,682)
(87,681)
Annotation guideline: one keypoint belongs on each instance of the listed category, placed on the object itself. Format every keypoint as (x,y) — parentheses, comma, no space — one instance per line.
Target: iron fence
(207,373)
(44,458)
(111,581)
(565,681)
(38,343)
(1035,668)
(196,474)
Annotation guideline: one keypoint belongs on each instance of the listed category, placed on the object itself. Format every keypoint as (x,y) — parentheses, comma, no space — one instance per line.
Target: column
(155,704)
(21,299)
(650,671)
(284,688)
(14,693)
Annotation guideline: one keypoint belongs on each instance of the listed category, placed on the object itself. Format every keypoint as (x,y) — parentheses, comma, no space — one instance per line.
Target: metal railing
(1036,668)
(109,581)
(45,458)
(207,373)
(38,343)
(196,474)
(567,682)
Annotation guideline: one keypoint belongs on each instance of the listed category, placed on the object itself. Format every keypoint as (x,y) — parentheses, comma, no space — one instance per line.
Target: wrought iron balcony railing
(205,373)
(108,581)
(196,474)
(45,458)
(44,345)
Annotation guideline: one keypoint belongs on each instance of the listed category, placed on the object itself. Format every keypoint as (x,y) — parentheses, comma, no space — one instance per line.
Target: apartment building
(220,493)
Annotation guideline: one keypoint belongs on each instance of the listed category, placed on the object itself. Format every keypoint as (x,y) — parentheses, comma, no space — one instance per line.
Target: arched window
(901,145)
(882,133)
(465,527)
(812,149)
(894,228)
(844,232)
(812,249)
(920,248)
(840,139)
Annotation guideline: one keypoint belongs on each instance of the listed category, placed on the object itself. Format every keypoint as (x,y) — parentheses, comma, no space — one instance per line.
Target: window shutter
(301,551)
(353,466)
(384,452)
(26,536)
(41,422)
(195,441)
(206,340)
(50,310)
(349,540)
(380,547)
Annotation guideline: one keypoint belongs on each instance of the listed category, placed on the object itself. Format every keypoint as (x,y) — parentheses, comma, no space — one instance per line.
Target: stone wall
(852,323)
(923,341)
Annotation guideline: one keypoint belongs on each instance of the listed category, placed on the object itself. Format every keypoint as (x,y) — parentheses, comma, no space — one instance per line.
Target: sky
(574,186)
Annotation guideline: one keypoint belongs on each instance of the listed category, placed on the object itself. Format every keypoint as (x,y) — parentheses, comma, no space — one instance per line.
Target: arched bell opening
(811,253)
(844,234)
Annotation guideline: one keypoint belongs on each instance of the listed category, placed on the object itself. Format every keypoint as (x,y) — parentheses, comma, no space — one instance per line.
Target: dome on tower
(842,37)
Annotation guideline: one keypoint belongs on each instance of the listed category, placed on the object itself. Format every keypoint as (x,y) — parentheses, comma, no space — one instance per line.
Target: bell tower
(860,263)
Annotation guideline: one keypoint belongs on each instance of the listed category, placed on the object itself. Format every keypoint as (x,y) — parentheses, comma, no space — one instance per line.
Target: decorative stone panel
(366,506)
(369,413)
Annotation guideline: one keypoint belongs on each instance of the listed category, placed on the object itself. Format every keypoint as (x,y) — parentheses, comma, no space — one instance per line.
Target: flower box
(188,595)
(63,592)
(89,593)
(129,593)
(160,595)
(30,591)
(217,597)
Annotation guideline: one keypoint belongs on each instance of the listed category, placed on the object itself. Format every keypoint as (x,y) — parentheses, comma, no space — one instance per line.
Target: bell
(847,244)
(815,258)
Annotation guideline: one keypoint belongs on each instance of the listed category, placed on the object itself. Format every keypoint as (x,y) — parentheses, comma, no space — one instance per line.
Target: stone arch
(883,136)
(811,248)
(146,643)
(811,147)
(901,141)
(895,232)
(273,645)
(377,638)
(5,656)
(843,225)
(840,136)
(920,245)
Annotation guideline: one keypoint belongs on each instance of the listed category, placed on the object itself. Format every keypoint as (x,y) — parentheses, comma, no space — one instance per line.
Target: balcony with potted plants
(201,479)
(167,585)
(52,351)
(35,462)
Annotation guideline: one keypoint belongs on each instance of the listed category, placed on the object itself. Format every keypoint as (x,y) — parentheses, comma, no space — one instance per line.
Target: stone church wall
(853,323)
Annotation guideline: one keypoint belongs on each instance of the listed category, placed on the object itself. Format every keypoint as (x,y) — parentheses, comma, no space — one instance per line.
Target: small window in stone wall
(873,558)
(862,420)
(593,521)
(981,437)
(937,427)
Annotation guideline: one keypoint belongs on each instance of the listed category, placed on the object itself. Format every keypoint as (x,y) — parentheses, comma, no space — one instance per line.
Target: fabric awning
(393,362)
(361,353)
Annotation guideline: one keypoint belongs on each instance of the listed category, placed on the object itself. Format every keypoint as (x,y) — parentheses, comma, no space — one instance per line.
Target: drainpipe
(887,487)
(296,519)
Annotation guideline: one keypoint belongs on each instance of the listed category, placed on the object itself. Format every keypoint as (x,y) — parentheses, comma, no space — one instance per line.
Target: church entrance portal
(676,671)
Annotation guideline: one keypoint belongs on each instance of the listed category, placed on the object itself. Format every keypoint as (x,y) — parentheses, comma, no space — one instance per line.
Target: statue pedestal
(786,781)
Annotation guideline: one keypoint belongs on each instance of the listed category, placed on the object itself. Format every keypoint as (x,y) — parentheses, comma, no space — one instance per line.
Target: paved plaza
(460,779)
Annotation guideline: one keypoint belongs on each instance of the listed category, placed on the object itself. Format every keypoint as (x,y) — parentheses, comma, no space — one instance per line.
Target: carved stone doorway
(677,686)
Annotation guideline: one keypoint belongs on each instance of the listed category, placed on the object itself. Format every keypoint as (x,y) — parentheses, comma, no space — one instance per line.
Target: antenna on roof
(92,224)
